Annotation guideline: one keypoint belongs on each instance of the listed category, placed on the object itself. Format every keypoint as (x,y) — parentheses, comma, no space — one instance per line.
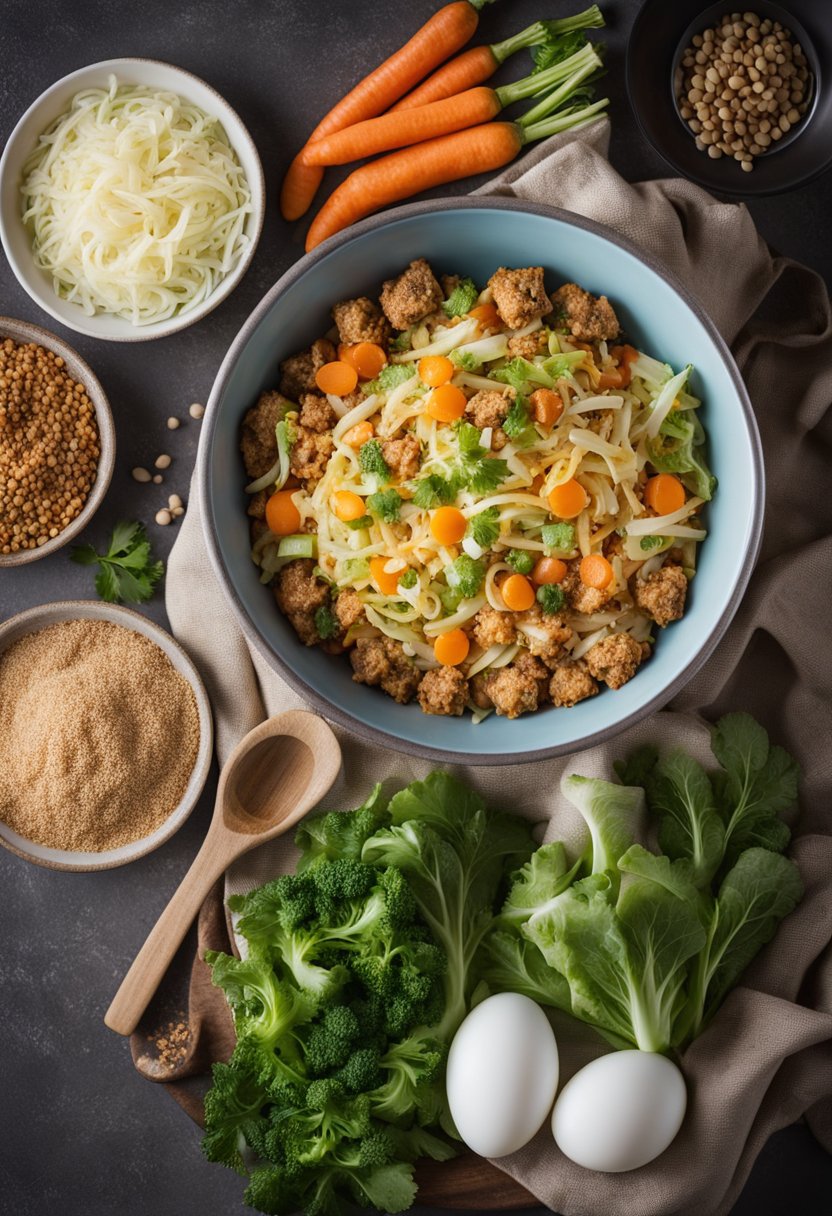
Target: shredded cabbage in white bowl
(136,203)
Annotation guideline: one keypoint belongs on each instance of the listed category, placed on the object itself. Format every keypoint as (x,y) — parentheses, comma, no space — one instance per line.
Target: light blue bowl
(473,237)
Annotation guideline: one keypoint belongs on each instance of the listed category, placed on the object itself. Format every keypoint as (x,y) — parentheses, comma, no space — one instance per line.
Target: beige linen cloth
(766,1059)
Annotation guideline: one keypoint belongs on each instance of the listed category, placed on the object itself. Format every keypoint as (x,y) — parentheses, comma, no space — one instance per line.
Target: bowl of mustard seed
(105,735)
(57,443)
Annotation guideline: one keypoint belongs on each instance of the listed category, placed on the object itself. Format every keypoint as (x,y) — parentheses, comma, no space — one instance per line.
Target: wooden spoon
(278,772)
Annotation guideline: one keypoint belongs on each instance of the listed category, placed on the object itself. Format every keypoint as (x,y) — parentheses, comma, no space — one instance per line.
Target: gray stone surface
(80,1133)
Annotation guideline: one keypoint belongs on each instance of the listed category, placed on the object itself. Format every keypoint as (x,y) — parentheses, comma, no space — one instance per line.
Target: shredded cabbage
(136,203)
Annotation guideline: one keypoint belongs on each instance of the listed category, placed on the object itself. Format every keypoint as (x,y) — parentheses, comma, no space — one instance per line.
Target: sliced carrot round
(446,403)
(568,500)
(487,315)
(348,505)
(451,648)
(435,370)
(547,406)
(368,359)
(282,515)
(549,570)
(361,433)
(387,583)
(517,592)
(338,378)
(595,571)
(664,493)
(345,353)
(447,525)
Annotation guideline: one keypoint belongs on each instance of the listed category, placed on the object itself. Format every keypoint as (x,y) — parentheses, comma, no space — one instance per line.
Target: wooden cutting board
(469,1183)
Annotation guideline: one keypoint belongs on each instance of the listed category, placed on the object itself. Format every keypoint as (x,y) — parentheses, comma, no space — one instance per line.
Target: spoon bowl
(277,773)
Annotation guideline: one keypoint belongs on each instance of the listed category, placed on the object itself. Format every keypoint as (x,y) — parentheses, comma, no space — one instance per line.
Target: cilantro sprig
(127,573)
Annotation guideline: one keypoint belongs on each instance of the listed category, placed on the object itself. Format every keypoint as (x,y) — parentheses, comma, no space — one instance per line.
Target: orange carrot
(399,130)
(480,63)
(466,71)
(411,170)
(444,33)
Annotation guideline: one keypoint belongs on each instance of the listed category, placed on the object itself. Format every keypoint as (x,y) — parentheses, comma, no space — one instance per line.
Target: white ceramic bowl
(52,614)
(49,106)
(23,332)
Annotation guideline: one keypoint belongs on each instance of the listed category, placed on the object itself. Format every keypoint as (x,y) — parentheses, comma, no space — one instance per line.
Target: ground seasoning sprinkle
(171,1042)
(98,736)
(49,446)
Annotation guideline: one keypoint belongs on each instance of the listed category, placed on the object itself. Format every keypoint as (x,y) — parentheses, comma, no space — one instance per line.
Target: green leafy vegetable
(372,462)
(485,527)
(648,960)
(478,471)
(386,504)
(402,341)
(466,360)
(677,449)
(558,538)
(649,543)
(465,575)
(518,423)
(519,373)
(462,299)
(363,521)
(434,491)
(520,560)
(409,579)
(390,377)
(326,622)
(551,597)
(127,572)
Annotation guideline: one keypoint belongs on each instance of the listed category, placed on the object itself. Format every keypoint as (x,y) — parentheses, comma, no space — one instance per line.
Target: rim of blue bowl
(275,660)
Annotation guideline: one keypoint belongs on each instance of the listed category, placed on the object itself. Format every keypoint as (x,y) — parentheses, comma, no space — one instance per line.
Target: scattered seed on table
(174,501)
(163,461)
(158,479)
(163,518)
(140,474)
(196,410)
(177,511)
(173,424)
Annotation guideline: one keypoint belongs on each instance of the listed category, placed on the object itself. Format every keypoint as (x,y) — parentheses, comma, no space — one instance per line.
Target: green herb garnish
(127,573)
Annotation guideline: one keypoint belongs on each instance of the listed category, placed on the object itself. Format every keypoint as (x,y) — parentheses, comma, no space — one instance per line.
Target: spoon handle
(150,964)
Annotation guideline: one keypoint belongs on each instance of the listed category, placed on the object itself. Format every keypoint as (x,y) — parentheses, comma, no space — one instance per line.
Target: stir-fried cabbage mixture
(489,510)
(136,203)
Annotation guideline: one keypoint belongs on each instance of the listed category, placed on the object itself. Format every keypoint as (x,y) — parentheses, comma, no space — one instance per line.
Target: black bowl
(660,34)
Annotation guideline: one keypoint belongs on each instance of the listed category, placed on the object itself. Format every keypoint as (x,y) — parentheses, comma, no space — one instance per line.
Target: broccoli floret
(233,1106)
(389,377)
(465,575)
(386,504)
(339,881)
(520,560)
(400,906)
(340,834)
(361,1071)
(466,360)
(558,538)
(263,1006)
(330,1042)
(372,461)
(408,579)
(551,597)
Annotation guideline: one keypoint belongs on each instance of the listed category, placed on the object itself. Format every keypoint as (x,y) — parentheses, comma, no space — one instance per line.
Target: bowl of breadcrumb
(105,735)
(57,443)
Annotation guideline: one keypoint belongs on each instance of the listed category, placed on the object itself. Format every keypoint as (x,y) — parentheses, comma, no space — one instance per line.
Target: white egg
(502,1074)
(620,1111)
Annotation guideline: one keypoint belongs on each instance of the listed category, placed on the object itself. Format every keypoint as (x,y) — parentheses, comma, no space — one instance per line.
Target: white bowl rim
(258,193)
(26,331)
(41,617)
(278,663)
